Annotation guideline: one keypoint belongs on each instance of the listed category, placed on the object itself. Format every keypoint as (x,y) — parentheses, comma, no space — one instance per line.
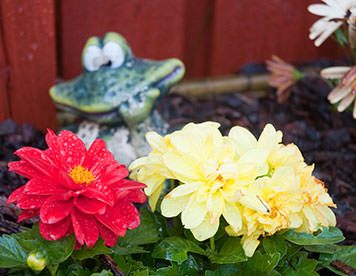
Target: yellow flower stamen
(81,175)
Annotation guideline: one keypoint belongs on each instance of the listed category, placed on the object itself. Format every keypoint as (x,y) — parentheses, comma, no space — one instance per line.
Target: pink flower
(73,189)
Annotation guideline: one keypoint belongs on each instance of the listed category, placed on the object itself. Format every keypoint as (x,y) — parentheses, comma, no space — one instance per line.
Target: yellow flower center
(81,175)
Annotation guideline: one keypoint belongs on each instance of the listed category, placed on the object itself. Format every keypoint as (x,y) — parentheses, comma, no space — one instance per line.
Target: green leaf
(86,252)
(326,236)
(275,244)
(175,249)
(191,266)
(12,254)
(103,273)
(56,252)
(15,249)
(147,232)
(322,248)
(231,251)
(168,271)
(299,265)
(260,264)
(345,254)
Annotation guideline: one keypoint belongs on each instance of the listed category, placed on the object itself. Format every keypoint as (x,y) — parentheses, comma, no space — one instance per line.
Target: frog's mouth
(170,78)
(105,116)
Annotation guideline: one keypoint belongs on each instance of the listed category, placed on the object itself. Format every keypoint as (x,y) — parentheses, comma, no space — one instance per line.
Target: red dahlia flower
(75,190)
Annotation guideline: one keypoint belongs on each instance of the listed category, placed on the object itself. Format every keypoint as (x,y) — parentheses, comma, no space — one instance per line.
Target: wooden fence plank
(198,25)
(252,30)
(29,35)
(4,77)
(154,29)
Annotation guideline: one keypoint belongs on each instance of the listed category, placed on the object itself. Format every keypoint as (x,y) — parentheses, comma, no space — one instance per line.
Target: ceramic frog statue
(117,92)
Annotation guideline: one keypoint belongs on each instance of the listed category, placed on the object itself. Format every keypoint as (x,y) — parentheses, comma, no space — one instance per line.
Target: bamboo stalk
(221,85)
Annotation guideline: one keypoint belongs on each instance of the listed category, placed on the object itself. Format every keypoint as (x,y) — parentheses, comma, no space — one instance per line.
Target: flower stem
(212,243)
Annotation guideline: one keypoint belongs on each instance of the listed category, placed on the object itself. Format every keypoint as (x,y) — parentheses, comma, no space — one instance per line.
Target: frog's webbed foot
(138,108)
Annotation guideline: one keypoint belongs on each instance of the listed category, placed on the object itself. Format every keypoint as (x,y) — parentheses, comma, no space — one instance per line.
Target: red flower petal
(66,181)
(108,236)
(38,160)
(137,196)
(89,206)
(121,193)
(113,220)
(85,228)
(129,212)
(16,195)
(54,210)
(31,201)
(56,147)
(101,192)
(75,150)
(98,158)
(43,186)
(115,174)
(128,184)
(55,231)
(27,214)
(23,168)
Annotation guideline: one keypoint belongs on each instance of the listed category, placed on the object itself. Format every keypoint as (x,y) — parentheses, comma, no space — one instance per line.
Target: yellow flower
(150,169)
(206,163)
(258,186)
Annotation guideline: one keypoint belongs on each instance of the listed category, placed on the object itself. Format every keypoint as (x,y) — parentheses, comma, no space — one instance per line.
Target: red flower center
(81,175)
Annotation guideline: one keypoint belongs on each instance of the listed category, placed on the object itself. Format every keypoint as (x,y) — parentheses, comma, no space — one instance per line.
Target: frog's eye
(93,58)
(114,53)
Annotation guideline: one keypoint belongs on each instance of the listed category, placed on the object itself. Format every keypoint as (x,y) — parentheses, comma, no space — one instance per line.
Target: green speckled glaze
(128,93)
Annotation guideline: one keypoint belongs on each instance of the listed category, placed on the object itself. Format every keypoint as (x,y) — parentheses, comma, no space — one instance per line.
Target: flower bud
(36,261)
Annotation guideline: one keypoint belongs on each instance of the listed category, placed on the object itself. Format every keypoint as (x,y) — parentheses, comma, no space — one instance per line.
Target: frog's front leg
(138,107)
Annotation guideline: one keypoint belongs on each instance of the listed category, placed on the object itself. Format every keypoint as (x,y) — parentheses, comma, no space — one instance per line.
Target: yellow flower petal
(205,230)
(255,202)
(193,213)
(243,140)
(269,138)
(156,141)
(310,216)
(180,167)
(184,189)
(327,214)
(215,206)
(154,196)
(232,215)
(295,220)
(250,244)
(172,207)
(257,157)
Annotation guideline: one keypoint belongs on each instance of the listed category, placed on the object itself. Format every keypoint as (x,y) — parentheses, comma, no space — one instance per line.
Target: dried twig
(110,263)
(339,265)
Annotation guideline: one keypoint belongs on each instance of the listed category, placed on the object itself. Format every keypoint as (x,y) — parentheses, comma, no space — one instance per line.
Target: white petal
(335,72)
(338,93)
(345,102)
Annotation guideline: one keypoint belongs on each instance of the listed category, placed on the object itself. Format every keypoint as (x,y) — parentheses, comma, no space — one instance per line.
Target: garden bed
(326,138)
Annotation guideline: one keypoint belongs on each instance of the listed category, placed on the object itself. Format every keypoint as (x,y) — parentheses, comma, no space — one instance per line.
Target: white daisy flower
(334,12)
(345,92)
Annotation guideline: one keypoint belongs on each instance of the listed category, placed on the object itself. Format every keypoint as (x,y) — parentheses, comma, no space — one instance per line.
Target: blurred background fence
(42,40)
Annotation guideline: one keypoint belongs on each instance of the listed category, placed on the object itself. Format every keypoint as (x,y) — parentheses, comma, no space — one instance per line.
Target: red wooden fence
(43,39)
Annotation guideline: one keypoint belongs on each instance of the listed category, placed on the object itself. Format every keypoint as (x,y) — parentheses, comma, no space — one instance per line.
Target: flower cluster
(258,186)
(73,189)
(333,13)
